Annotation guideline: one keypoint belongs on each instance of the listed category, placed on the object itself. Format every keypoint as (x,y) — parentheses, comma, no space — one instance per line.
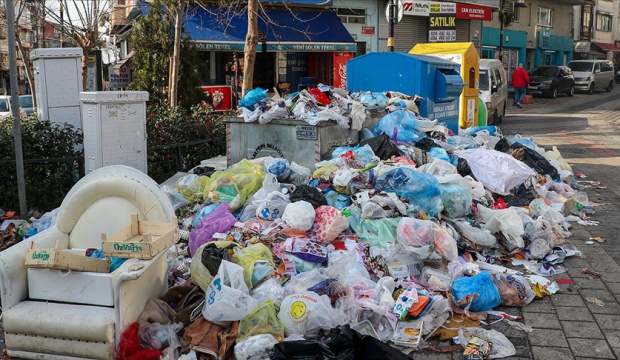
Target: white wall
(372,13)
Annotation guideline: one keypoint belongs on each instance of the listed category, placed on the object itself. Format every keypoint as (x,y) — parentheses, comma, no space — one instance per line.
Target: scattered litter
(598,239)
(594,274)
(595,301)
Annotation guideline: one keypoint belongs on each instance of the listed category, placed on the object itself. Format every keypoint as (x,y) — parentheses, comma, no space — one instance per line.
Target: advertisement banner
(473,12)
(340,69)
(417,8)
(442,27)
(443,8)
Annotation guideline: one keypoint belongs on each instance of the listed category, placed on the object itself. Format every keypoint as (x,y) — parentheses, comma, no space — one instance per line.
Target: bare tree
(80,21)
(177,9)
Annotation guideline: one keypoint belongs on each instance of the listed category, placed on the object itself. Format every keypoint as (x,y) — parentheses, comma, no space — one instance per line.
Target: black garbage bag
(463,168)
(502,145)
(212,256)
(341,343)
(382,146)
(522,195)
(425,144)
(309,194)
(534,160)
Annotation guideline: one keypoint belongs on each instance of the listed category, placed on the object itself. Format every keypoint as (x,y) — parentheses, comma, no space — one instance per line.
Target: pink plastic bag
(329,223)
(219,220)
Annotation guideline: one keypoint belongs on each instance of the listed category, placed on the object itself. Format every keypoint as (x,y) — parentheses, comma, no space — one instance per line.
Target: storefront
(296,47)
(431,21)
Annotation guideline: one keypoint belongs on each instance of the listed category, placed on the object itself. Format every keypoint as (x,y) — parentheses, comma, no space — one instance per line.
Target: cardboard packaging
(141,239)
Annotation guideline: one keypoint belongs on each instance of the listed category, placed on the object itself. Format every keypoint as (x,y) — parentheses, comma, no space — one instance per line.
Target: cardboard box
(141,239)
(65,259)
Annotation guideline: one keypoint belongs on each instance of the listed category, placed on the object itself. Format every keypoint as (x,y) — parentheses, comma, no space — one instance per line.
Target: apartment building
(597,30)
(25,30)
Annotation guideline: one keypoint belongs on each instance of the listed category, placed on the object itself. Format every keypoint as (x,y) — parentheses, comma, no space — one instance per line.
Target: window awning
(606,46)
(279,30)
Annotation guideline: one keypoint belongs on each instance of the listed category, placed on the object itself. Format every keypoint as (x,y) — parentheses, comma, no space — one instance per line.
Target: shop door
(410,31)
(510,59)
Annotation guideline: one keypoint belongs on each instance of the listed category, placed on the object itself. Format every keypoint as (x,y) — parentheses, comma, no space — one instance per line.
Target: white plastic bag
(272,207)
(501,347)
(257,347)
(506,221)
(269,289)
(227,297)
(498,172)
(299,215)
(422,237)
(277,111)
(306,313)
(555,156)
(270,184)
(480,237)
(439,168)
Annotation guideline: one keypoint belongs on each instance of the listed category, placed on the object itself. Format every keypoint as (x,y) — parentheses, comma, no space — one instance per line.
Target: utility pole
(392,20)
(17,125)
(62,24)
(501,30)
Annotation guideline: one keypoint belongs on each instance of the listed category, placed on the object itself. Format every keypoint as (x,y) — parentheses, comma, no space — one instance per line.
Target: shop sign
(473,12)
(368,30)
(442,28)
(340,69)
(442,8)
(417,8)
(582,47)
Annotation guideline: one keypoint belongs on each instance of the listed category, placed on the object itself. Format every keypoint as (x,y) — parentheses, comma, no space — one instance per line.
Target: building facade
(597,30)
(540,33)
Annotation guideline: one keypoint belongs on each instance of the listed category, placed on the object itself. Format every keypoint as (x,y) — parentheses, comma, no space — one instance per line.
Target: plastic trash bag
(257,347)
(514,290)
(200,273)
(278,110)
(422,237)
(501,347)
(382,146)
(299,216)
(421,190)
(272,207)
(160,336)
(534,160)
(337,200)
(399,126)
(219,220)
(308,194)
(439,153)
(270,184)
(227,297)
(474,235)
(506,221)
(251,255)
(374,100)
(306,313)
(191,186)
(299,174)
(456,200)
(262,320)
(376,232)
(278,167)
(499,172)
(269,289)
(253,97)
(555,156)
(204,211)
(329,223)
(438,167)
(477,293)
(236,184)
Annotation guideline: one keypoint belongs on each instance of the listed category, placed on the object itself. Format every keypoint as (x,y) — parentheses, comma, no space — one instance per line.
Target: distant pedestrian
(520,81)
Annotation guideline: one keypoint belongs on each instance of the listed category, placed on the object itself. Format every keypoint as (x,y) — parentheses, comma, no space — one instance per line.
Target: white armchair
(52,314)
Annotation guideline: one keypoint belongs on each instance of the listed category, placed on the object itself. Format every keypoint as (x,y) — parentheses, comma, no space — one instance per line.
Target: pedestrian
(520,80)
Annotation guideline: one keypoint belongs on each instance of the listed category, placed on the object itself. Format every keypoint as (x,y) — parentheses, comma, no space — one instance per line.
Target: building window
(603,22)
(352,16)
(515,13)
(545,17)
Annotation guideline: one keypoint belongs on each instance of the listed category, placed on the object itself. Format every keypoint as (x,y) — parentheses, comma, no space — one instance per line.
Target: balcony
(119,17)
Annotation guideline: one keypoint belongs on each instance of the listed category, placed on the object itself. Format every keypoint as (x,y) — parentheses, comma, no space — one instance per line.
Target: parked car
(26,106)
(493,89)
(551,80)
(592,75)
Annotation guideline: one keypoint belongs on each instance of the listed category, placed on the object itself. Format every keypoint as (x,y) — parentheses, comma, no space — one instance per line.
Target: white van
(494,89)
(592,75)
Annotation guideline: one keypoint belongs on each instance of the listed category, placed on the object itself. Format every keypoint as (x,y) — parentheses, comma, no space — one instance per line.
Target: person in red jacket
(520,81)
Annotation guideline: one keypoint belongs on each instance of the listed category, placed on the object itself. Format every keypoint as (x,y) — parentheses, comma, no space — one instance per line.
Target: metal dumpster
(436,81)
(291,139)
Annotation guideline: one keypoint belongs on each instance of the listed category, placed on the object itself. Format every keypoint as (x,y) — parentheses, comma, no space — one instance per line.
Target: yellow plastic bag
(325,172)
(262,320)
(235,185)
(249,256)
(191,187)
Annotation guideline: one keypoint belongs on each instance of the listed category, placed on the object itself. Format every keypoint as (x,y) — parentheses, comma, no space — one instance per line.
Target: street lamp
(503,20)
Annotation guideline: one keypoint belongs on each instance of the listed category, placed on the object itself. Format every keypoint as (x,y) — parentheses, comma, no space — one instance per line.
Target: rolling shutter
(410,31)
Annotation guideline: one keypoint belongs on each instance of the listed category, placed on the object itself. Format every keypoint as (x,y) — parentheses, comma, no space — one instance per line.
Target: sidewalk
(582,321)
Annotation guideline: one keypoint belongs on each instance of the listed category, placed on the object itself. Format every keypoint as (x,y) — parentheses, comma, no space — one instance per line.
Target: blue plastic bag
(337,200)
(481,287)
(439,153)
(363,154)
(420,189)
(474,130)
(399,126)
(374,100)
(253,97)
(206,210)
(456,200)
(279,167)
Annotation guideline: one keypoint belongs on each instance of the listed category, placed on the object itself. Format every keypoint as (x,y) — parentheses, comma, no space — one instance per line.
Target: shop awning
(280,30)
(606,46)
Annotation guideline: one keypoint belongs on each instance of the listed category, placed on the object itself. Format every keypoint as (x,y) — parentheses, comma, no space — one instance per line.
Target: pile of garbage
(324,103)
(411,240)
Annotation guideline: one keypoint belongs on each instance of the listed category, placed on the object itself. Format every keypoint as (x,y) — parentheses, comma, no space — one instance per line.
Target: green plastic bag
(235,185)
(377,232)
(250,258)
(262,320)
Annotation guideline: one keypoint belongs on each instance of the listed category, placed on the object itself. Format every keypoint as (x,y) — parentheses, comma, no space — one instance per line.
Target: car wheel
(554,93)
(591,89)
(610,87)
(571,91)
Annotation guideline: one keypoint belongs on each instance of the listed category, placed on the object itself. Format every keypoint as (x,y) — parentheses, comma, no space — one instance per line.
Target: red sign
(220,97)
(368,30)
(473,12)
(340,69)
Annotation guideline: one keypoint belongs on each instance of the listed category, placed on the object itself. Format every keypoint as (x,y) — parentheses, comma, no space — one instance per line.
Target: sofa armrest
(13,274)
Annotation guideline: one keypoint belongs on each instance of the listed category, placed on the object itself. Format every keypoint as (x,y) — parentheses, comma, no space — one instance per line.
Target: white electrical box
(58,84)
(114,127)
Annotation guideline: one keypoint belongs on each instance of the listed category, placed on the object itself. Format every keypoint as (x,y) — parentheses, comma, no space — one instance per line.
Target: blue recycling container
(436,81)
